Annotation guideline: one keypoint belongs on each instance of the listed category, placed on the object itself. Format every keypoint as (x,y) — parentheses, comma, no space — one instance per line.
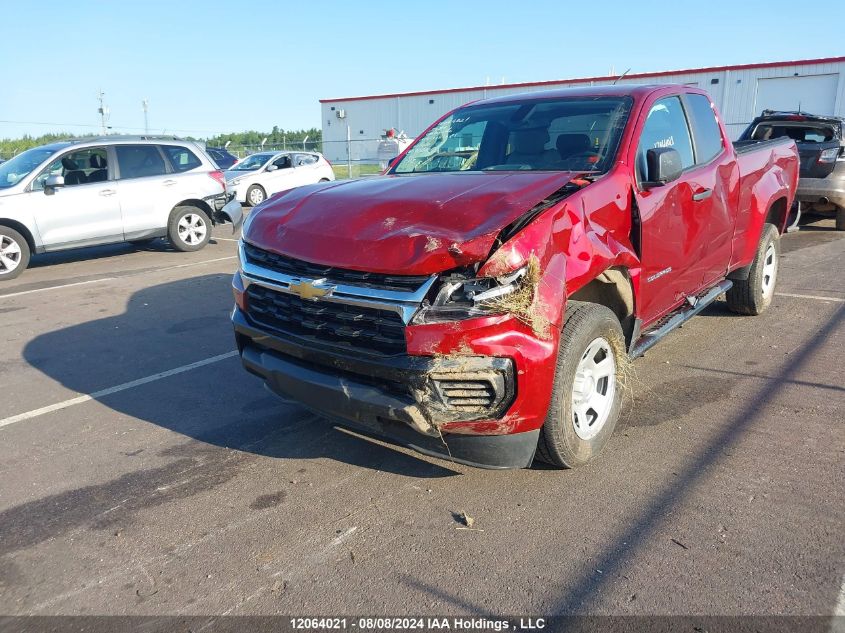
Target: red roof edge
(530,84)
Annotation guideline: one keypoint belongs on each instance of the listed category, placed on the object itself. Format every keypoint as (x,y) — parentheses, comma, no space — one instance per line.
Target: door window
(181,158)
(283,162)
(708,136)
(139,161)
(305,159)
(78,167)
(666,126)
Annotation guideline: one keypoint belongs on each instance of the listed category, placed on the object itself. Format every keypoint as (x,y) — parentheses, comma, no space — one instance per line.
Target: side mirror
(271,168)
(663,165)
(52,183)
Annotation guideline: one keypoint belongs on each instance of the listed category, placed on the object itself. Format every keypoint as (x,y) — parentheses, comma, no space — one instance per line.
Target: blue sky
(209,67)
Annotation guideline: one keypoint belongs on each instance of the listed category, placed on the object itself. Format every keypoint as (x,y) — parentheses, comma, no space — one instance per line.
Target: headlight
(462,298)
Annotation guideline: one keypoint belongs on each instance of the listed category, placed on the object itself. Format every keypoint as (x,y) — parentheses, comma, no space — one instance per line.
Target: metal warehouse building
(353,126)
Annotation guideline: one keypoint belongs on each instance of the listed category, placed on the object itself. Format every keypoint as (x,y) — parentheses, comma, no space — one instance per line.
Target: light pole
(145,104)
(104,112)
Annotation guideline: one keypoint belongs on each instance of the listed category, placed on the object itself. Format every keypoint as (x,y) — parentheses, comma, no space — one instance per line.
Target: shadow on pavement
(178,323)
(588,587)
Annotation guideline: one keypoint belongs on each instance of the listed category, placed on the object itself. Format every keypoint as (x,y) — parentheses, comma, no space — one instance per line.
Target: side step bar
(650,338)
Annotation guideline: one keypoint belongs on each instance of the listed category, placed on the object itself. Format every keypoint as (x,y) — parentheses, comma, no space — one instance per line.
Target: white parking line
(28,415)
(96,281)
(815,297)
(839,607)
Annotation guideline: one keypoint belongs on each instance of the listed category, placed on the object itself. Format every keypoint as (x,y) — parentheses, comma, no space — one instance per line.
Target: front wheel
(587,392)
(14,253)
(255,195)
(189,229)
(753,295)
(840,218)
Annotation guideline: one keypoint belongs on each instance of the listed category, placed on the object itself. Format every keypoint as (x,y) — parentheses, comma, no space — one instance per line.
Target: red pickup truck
(481,300)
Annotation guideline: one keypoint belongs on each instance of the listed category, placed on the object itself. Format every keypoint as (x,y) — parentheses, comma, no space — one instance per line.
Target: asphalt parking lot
(144,472)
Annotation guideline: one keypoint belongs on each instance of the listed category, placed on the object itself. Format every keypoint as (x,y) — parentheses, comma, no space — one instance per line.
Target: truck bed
(750,145)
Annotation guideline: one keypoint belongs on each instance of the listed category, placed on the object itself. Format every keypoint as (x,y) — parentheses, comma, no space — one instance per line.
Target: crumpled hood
(413,225)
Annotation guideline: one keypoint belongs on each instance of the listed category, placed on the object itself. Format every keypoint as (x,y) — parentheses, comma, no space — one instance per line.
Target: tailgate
(809,154)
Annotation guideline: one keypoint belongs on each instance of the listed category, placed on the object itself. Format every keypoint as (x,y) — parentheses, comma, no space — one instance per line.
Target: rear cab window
(705,128)
(181,158)
(140,161)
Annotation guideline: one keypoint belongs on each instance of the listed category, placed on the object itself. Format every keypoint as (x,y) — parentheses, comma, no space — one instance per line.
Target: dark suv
(821,147)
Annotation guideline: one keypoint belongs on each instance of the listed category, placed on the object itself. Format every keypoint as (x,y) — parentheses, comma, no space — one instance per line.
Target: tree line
(241,142)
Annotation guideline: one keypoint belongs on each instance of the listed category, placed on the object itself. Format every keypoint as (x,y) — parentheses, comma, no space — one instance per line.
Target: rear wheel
(189,229)
(255,195)
(753,295)
(587,393)
(14,253)
(840,218)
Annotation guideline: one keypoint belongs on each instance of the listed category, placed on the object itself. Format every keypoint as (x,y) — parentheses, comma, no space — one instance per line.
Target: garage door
(815,94)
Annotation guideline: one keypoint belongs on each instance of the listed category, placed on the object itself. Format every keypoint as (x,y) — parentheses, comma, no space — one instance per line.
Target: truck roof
(619,90)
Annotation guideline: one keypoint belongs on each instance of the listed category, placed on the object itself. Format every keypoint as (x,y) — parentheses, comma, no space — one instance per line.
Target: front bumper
(230,211)
(398,397)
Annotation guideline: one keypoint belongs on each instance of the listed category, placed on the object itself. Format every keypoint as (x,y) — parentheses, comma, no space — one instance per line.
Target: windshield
(19,167)
(251,163)
(567,134)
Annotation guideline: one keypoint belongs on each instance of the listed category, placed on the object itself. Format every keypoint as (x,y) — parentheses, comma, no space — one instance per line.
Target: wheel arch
(777,214)
(23,230)
(193,202)
(614,290)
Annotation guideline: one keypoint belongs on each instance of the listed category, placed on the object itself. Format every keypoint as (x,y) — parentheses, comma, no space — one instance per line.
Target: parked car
(222,158)
(821,146)
(259,176)
(104,190)
(484,308)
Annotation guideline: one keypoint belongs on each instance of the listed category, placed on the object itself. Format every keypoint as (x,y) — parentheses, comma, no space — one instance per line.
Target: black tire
(187,240)
(324,180)
(840,218)
(560,443)
(14,253)
(753,295)
(257,192)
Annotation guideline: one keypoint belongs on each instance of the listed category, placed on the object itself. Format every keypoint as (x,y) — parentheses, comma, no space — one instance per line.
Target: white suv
(111,189)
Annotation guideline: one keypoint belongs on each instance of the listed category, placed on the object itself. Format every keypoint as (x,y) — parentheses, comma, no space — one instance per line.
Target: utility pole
(145,104)
(104,112)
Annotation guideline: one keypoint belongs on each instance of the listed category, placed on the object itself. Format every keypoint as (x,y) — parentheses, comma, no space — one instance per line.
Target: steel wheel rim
(770,270)
(256,197)
(192,229)
(593,389)
(10,255)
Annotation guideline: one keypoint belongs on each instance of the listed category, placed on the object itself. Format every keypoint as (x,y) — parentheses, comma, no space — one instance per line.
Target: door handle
(108,192)
(169,183)
(702,195)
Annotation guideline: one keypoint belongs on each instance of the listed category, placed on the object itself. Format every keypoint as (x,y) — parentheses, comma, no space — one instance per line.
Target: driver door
(281,178)
(86,210)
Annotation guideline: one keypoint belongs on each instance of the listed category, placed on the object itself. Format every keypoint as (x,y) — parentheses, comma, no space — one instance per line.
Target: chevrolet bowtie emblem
(311,290)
